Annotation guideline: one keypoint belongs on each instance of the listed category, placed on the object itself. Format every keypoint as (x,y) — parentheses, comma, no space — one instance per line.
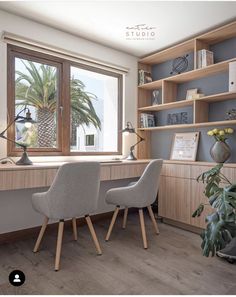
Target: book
(147,120)
(204,58)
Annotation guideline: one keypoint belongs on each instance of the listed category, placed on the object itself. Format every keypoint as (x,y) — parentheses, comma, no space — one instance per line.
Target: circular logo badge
(17,278)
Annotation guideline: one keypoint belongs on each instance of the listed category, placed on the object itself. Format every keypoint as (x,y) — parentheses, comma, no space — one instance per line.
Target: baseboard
(183,226)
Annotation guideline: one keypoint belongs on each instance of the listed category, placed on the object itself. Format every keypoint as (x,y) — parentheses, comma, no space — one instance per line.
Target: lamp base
(131,157)
(24,160)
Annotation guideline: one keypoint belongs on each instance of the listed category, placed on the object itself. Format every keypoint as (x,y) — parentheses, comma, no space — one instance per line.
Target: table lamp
(130,129)
(28,121)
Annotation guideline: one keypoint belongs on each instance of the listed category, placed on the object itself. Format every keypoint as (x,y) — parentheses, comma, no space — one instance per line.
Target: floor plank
(172,264)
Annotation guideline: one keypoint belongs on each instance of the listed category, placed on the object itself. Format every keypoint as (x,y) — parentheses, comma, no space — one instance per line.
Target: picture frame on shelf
(190,93)
(184,146)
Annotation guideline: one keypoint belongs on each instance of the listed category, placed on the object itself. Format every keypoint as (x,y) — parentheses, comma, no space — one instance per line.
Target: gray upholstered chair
(140,194)
(73,193)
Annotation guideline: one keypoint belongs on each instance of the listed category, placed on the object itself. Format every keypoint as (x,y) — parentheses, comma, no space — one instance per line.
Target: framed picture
(190,92)
(184,146)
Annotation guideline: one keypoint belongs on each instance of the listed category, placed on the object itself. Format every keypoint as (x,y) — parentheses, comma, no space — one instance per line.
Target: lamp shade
(27,119)
(129,128)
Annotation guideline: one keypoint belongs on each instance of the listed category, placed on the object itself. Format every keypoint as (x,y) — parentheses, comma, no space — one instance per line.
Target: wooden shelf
(211,37)
(218,97)
(185,126)
(169,53)
(183,103)
(202,72)
(156,84)
(170,105)
(190,75)
(219,34)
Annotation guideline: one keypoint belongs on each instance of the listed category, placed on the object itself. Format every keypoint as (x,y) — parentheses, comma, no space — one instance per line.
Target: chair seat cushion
(124,196)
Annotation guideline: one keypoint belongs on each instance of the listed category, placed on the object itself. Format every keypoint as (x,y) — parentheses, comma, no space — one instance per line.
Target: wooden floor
(173,264)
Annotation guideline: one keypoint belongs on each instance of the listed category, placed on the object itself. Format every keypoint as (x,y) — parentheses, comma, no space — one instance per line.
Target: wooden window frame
(63,119)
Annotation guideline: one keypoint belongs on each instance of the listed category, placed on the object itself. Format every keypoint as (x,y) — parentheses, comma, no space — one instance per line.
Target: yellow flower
(215,131)
(230,130)
(222,132)
(210,133)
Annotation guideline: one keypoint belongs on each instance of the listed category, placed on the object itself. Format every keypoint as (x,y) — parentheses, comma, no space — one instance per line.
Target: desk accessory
(130,129)
(28,121)
(184,146)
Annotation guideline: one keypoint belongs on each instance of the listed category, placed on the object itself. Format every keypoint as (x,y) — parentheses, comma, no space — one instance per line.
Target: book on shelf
(147,120)
(144,77)
(204,58)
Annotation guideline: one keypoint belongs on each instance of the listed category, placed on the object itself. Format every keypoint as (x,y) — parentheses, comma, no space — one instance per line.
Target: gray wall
(161,140)
(208,85)
(224,50)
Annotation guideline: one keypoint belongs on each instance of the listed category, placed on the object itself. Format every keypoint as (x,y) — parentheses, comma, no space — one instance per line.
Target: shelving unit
(190,75)
(168,86)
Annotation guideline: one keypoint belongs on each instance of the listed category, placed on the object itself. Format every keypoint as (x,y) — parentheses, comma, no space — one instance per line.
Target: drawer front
(174,199)
(105,173)
(230,173)
(197,197)
(176,170)
(21,179)
(127,171)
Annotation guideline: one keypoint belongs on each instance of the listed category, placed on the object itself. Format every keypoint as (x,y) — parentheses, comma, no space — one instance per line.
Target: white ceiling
(105,22)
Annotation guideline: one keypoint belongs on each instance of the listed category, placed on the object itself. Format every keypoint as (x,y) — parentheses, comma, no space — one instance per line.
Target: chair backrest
(75,189)
(148,183)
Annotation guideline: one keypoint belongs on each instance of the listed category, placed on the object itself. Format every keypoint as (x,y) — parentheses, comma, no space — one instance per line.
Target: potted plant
(220,233)
(220,151)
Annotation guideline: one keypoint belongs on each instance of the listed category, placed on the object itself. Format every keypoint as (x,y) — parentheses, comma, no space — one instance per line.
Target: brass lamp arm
(140,140)
(12,122)
(13,141)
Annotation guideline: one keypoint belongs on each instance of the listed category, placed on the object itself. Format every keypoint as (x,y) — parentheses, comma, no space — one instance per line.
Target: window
(76,109)
(94,109)
(89,140)
(36,86)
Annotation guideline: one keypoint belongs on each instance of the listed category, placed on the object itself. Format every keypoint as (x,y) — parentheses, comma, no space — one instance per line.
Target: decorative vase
(220,152)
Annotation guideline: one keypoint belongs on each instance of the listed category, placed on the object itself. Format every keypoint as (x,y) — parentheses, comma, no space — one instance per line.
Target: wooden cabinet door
(197,197)
(174,198)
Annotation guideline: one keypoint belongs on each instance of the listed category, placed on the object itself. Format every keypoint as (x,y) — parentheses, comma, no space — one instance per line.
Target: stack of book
(147,120)
(204,58)
(144,77)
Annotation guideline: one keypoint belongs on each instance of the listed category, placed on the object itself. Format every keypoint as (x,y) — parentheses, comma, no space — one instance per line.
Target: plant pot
(220,152)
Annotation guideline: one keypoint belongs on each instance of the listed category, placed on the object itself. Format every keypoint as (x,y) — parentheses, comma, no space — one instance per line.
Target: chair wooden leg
(74,226)
(59,244)
(40,236)
(125,218)
(142,224)
(153,219)
(112,223)
(94,236)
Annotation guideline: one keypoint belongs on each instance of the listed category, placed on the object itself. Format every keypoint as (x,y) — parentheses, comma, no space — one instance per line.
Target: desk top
(47,165)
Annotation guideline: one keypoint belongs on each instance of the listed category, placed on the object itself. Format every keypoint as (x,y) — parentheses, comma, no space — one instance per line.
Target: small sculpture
(231,114)
(155,95)
(179,65)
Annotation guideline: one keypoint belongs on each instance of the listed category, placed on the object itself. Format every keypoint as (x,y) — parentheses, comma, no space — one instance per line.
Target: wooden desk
(13,177)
